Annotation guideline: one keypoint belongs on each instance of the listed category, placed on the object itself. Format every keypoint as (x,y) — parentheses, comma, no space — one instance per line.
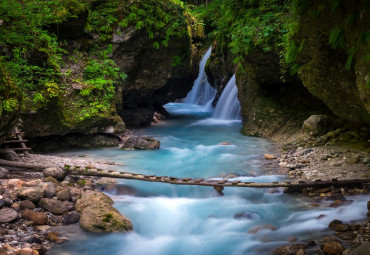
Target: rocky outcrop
(153,78)
(273,106)
(327,68)
(140,143)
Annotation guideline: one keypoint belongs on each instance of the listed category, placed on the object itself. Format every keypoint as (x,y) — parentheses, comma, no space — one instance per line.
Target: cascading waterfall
(228,106)
(202,92)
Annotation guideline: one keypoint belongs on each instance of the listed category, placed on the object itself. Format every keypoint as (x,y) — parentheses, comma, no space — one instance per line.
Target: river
(170,219)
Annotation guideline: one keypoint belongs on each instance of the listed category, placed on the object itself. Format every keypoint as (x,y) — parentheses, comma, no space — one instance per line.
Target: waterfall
(228,106)
(202,93)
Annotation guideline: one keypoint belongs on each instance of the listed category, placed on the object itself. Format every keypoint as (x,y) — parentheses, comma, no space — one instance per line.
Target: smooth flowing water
(228,106)
(202,92)
(170,219)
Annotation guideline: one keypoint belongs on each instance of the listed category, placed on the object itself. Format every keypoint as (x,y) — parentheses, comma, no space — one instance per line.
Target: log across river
(215,182)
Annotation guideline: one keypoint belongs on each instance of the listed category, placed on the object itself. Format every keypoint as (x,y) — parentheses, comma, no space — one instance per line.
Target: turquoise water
(171,219)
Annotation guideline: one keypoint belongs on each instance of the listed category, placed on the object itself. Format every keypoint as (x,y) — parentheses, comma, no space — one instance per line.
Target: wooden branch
(24,165)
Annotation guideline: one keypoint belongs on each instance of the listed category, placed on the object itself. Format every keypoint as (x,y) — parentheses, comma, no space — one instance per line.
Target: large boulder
(33,194)
(316,124)
(38,218)
(98,214)
(103,218)
(140,143)
(363,249)
(49,189)
(8,215)
(55,206)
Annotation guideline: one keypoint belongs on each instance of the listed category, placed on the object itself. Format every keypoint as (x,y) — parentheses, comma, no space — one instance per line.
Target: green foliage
(162,19)
(337,38)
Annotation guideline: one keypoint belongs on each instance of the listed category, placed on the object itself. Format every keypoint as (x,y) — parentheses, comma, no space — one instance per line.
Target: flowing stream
(170,219)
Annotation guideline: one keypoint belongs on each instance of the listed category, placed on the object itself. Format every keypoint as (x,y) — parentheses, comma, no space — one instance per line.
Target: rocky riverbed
(33,206)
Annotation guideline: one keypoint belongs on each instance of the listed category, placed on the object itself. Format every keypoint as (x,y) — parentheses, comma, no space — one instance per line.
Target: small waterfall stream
(228,106)
(202,92)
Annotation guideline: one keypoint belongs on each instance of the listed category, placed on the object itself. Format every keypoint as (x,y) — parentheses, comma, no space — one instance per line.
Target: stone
(104,218)
(335,197)
(71,218)
(224,143)
(40,248)
(341,227)
(2,203)
(270,156)
(8,154)
(247,215)
(3,173)
(363,249)
(51,179)
(366,160)
(52,237)
(258,228)
(49,189)
(368,205)
(140,143)
(15,183)
(349,235)
(55,172)
(25,251)
(43,227)
(300,252)
(337,163)
(63,194)
(106,181)
(38,218)
(8,215)
(27,204)
(334,223)
(55,206)
(33,194)
(92,197)
(289,249)
(34,240)
(332,248)
(316,124)
(351,160)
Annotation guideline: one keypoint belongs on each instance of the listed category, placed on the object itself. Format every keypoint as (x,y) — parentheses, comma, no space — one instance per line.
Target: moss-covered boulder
(98,214)
(334,63)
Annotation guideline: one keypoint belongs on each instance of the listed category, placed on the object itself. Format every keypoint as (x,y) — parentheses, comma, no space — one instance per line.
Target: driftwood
(293,186)
(24,165)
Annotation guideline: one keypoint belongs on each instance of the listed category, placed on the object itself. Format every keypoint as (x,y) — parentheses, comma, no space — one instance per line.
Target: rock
(368,205)
(270,156)
(43,228)
(27,204)
(3,173)
(55,206)
(92,197)
(40,248)
(38,218)
(334,223)
(63,194)
(140,143)
(316,124)
(335,197)
(34,240)
(247,215)
(258,228)
(50,179)
(2,203)
(224,143)
(15,183)
(366,161)
(349,235)
(52,237)
(25,251)
(8,154)
(71,218)
(106,181)
(289,249)
(300,252)
(332,248)
(103,218)
(33,194)
(337,163)
(363,249)
(8,215)
(55,172)
(351,160)
(49,189)
(341,227)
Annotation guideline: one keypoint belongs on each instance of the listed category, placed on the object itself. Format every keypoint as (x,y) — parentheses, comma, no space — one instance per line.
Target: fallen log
(24,165)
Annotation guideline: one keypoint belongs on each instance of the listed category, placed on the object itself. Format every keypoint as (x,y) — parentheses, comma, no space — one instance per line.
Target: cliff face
(153,76)
(333,64)
(110,77)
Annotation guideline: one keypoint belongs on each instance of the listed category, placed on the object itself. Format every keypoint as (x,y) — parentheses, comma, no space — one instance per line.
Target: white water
(202,92)
(171,220)
(228,106)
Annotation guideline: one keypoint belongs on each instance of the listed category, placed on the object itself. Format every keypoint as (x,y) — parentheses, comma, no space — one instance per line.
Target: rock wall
(346,91)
